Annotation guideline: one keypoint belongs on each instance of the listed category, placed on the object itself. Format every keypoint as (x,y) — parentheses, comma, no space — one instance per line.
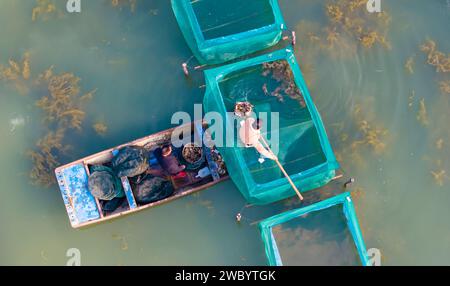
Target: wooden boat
(84,209)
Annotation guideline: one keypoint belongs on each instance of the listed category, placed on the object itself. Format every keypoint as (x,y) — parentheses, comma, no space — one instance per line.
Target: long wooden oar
(282,169)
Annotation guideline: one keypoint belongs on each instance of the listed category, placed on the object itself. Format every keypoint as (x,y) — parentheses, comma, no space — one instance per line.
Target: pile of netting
(218,31)
(274,85)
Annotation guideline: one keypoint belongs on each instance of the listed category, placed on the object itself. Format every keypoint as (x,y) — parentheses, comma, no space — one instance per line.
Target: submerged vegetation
(445,86)
(439,177)
(359,136)
(439,118)
(349,25)
(123,241)
(64,104)
(372,135)
(409,65)
(17,73)
(63,109)
(121,3)
(100,128)
(438,171)
(435,57)
(46,158)
(282,73)
(351,17)
(44,10)
(422,115)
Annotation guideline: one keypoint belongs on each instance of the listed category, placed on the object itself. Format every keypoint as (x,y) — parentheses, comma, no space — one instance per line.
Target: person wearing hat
(250,134)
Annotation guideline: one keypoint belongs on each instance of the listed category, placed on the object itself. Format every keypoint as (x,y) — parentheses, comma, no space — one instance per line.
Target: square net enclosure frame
(304,149)
(342,201)
(218,31)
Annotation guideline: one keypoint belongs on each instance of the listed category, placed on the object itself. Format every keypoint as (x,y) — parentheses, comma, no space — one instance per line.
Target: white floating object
(16,122)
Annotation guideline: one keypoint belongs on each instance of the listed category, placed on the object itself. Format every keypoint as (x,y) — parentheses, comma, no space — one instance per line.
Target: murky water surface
(383,99)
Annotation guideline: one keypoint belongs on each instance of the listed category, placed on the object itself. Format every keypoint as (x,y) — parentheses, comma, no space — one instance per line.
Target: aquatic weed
(121,3)
(422,114)
(349,25)
(435,57)
(44,9)
(45,158)
(100,128)
(64,104)
(352,17)
(444,86)
(17,73)
(409,65)
(282,73)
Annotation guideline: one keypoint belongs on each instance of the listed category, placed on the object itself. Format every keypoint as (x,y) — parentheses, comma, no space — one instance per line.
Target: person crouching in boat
(250,135)
(168,160)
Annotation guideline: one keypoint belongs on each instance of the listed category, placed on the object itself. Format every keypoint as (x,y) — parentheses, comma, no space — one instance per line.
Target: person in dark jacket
(168,161)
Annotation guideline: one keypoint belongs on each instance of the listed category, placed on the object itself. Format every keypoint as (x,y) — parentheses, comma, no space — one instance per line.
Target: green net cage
(274,85)
(324,233)
(218,31)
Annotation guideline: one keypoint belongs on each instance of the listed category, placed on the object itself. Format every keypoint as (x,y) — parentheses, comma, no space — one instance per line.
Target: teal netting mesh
(325,233)
(272,83)
(218,31)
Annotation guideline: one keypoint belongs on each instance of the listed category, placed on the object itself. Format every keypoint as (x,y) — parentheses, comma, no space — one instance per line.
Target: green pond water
(297,240)
(133,60)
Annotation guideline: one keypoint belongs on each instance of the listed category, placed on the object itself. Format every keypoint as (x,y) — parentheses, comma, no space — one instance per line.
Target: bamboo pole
(282,169)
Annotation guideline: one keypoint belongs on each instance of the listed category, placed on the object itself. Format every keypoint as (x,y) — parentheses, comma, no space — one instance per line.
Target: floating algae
(120,3)
(44,76)
(123,241)
(17,73)
(438,172)
(332,36)
(100,128)
(43,10)
(368,39)
(409,65)
(349,25)
(371,137)
(44,256)
(64,104)
(411,98)
(439,177)
(439,143)
(26,67)
(358,193)
(282,73)
(16,122)
(422,115)
(45,159)
(335,13)
(356,136)
(353,18)
(445,86)
(435,57)
(208,204)
(63,108)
